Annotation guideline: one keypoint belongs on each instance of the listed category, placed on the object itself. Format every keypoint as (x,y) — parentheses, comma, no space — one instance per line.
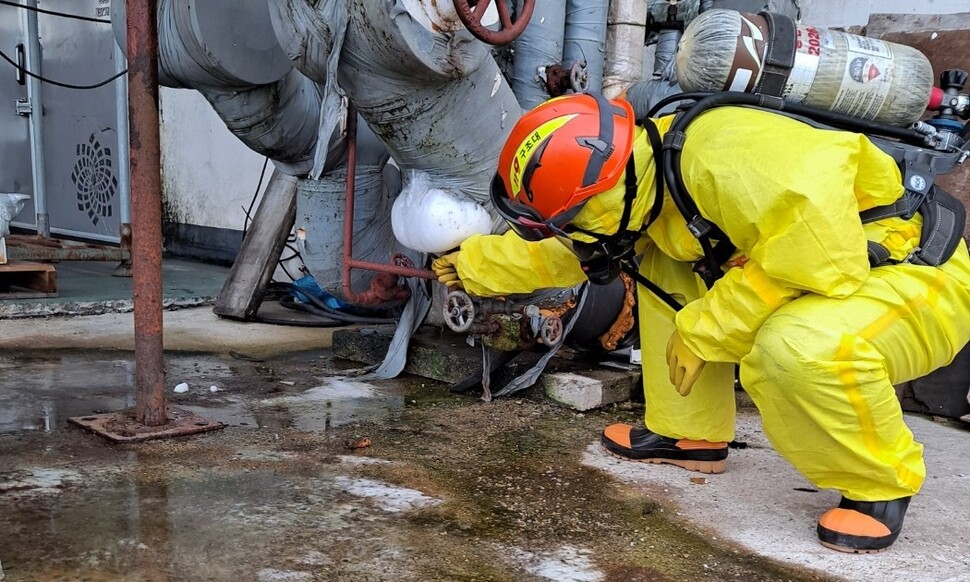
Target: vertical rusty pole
(146,210)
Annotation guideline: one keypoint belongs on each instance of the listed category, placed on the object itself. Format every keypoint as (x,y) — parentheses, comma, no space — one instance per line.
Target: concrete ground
(517,489)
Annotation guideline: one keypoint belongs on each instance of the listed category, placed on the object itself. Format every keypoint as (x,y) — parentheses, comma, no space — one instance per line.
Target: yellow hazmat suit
(820,338)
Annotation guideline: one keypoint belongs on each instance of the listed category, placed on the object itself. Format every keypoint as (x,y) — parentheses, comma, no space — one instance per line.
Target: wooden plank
(256,262)
(26,280)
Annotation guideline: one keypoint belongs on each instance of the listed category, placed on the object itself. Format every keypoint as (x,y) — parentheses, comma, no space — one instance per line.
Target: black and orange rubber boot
(862,527)
(639,444)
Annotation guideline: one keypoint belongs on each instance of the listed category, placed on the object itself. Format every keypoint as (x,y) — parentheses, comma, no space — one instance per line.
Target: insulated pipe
(349,263)
(540,45)
(585,38)
(625,38)
(234,61)
(437,101)
(38,166)
(279,120)
(666,49)
(146,206)
(214,44)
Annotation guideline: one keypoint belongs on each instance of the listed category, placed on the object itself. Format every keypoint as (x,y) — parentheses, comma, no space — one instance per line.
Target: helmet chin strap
(602,260)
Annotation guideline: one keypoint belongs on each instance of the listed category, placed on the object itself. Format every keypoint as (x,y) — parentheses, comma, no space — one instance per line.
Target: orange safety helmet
(558,156)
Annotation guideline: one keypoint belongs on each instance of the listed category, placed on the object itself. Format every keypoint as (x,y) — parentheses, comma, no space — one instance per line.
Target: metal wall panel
(80,125)
(14,133)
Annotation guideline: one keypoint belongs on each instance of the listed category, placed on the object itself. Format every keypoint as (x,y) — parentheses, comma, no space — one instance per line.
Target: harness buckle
(699,227)
(674,140)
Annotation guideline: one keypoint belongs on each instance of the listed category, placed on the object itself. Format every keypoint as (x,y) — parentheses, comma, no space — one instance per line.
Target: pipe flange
(459,312)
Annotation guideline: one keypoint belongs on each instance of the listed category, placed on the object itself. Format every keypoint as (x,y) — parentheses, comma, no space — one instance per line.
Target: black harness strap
(656,145)
(780,56)
(944,220)
(630,268)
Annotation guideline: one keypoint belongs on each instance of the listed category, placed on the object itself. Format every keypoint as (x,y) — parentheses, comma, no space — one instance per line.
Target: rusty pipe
(349,262)
(146,210)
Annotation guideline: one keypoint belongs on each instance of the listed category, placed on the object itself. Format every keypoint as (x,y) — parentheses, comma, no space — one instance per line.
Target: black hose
(692,96)
(298,322)
(317,307)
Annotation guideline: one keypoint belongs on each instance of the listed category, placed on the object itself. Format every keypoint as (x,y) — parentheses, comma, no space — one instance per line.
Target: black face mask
(602,260)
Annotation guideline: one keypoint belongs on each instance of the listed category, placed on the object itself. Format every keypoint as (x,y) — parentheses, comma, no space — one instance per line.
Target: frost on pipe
(540,45)
(854,75)
(214,44)
(435,220)
(437,101)
(278,120)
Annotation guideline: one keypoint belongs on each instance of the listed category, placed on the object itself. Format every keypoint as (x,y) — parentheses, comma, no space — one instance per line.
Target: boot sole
(846,550)
(708,467)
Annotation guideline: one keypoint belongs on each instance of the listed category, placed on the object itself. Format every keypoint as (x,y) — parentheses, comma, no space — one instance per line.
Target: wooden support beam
(256,262)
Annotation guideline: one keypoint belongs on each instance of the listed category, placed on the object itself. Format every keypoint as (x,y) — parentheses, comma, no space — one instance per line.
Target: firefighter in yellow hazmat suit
(820,336)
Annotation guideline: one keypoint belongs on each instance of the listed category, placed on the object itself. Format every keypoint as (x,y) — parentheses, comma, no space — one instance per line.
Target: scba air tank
(724,50)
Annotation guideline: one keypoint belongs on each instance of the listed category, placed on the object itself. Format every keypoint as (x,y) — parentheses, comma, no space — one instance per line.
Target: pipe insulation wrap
(312,35)
(540,45)
(438,102)
(585,38)
(214,44)
(853,75)
(625,38)
(279,120)
(432,220)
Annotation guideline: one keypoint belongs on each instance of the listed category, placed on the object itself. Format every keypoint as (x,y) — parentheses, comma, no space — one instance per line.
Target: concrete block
(431,354)
(590,390)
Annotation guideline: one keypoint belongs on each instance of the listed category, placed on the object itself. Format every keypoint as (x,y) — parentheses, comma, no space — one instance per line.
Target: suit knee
(786,351)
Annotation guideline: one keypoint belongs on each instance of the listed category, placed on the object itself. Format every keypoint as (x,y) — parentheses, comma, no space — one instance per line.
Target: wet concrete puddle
(320,477)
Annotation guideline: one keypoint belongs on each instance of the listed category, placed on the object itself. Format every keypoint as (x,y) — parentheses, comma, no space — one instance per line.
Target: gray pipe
(221,50)
(214,44)
(279,120)
(539,46)
(663,58)
(437,101)
(377,185)
(585,38)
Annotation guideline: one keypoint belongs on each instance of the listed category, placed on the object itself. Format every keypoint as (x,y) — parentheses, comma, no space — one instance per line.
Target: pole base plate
(121,427)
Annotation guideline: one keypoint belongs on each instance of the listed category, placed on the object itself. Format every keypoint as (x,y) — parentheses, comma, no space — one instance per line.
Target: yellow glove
(685,366)
(444,267)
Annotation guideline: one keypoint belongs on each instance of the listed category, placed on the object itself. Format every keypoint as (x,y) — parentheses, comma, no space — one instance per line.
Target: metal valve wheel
(551,330)
(459,312)
(470,12)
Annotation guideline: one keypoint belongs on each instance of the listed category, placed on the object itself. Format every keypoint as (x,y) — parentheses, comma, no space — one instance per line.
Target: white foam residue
(39,480)
(332,389)
(566,564)
(387,497)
